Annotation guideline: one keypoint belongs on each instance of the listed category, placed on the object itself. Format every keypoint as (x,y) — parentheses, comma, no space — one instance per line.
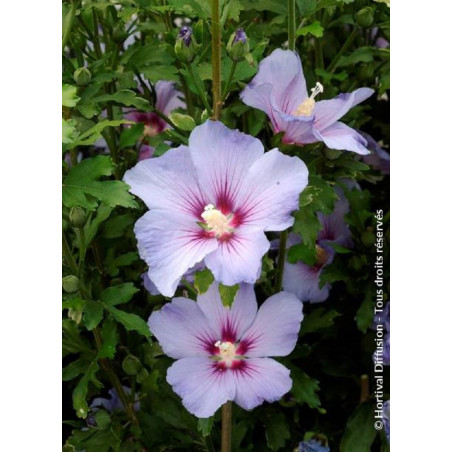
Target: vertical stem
(226,427)
(216,59)
(281,261)
(291,25)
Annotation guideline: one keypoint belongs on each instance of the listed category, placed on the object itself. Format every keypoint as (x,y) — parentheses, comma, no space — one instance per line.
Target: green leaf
(81,390)
(304,388)
(94,133)
(121,261)
(363,55)
(82,188)
(365,314)
(306,7)
(125,97)
(91,228)
(122,293)
(131,135)
(92,314)
(69,96)
(314,29)
(318,319)
(205,425)
(116,227)
(183,122)
(307,225)
(109,335)
(203,280)
(75,368)
(69,132)
(301,252)
(339,249)
(359,431)
(131,322)
(276,431)
(103,419)
(227,294)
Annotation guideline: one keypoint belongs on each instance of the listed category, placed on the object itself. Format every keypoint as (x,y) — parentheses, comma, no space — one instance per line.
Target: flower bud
(238,45)
(71,283)
(185,47)
(82,76)
(131,365)
(77,217)
(102,419)
(365,17)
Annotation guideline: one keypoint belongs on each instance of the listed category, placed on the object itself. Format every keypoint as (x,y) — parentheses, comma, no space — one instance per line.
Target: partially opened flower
(304,280)
(114,403)
(222,353)
(168,99)
(212,201)
(312,445)
(378,158)
(279,89)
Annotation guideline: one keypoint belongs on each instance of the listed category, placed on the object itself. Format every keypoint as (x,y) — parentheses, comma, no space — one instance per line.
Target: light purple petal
(182,329)
(202,387)
(261,379)
(239,259)
(168,97)
(222,158)
(168,182)
(275,330)
(170,243)
(271,191)
(281,70)
(327,112)
(297,129)
(303,281)
(229,323)
(146,152)
(342,137)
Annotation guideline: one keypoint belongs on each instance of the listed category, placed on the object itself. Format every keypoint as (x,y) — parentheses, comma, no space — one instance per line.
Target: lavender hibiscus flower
(279,89)
(209,201)
(113,403)
(168,99)
(222,353)
(313,445)
(302,279)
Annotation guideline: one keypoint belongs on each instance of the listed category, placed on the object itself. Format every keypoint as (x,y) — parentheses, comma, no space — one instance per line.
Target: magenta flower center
(216,221)
(227,353)
(306,108)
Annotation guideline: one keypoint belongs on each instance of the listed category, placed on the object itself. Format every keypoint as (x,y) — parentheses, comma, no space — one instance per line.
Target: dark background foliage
(105,337)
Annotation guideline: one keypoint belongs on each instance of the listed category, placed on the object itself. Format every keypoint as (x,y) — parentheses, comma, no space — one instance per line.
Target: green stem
(228,83)
(343,49)
(291,25)
(96,41)
(196,81)
(68,255)
(216,60)
(70,23)
(281,261)
(226,427)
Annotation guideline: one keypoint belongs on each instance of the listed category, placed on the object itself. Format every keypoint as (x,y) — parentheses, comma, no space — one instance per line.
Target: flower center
(321,255)
(216,221)
(307,106)
(150,130)
(227,352)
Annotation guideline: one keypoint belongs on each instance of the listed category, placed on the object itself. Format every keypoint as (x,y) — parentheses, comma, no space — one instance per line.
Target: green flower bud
(185,47)
(143,374)
(131,365)
(102,418)
(82,76)
(77,217)
(332,154)
(365,17)
(238,45)
(71,283)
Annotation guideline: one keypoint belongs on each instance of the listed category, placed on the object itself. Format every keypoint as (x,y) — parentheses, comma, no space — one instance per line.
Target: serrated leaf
(69,96)
(131,322)
(82,188)
(125,97)
(318,319)
(359,431)
(131,135)
(304,388)
(75,368)
(81,390)
(307,225)
(122,293)
(69,131)
(227,294)
(315,29)
(203,280)
(205,425)
(92,314)
(301,252)
(183,122)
